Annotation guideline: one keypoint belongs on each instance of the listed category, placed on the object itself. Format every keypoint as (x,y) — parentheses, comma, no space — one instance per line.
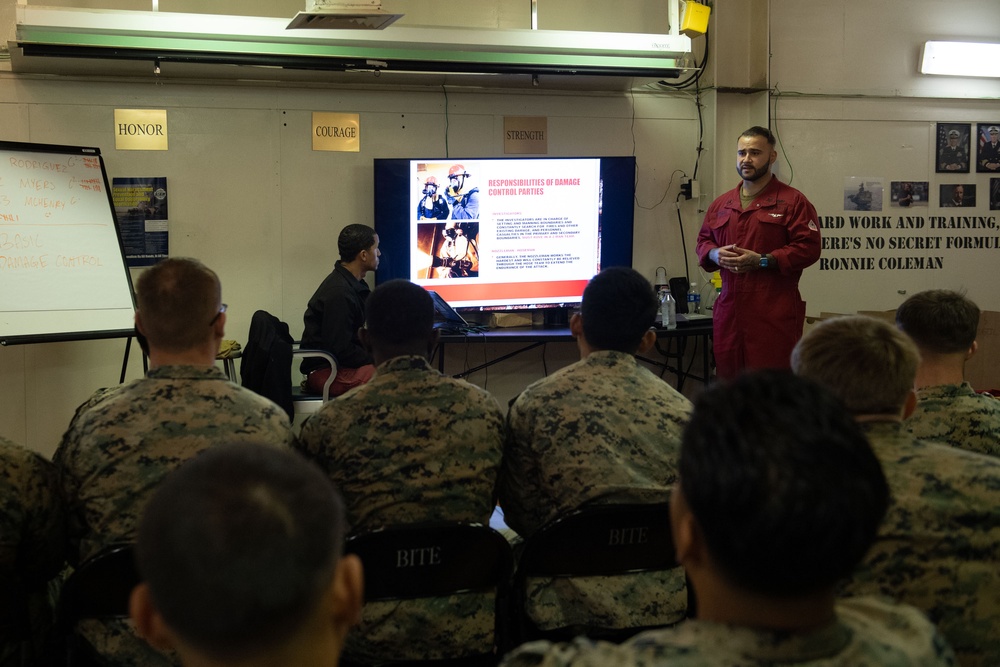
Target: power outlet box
(689,188)
(686,189)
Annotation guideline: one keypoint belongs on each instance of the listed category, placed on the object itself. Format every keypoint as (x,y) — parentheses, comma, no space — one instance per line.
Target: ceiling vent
(323,15)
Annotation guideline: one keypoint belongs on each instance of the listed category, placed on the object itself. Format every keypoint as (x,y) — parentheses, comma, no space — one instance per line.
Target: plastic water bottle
(668,311)
(694,299)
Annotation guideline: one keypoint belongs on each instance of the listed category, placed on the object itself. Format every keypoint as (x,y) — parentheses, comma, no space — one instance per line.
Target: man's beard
(756,174)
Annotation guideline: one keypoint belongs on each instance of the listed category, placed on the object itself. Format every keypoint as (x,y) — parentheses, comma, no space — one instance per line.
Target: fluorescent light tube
(961,59)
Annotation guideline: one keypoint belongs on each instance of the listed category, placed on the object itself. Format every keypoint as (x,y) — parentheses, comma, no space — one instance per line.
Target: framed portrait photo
(952,152)
(958,195)
(988,148)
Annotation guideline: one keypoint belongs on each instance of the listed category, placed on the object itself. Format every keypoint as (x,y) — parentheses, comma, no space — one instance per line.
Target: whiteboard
(62,269)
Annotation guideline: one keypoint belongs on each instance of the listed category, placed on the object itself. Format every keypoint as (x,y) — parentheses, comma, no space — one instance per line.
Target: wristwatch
(765,261)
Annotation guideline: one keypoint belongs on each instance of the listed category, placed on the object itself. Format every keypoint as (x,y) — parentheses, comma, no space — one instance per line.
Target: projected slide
(485,231)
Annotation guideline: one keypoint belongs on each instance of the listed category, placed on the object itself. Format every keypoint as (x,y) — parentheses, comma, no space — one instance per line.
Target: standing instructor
(760,235)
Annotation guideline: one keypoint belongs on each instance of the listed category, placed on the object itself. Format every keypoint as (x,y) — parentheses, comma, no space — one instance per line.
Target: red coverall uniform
(760,314)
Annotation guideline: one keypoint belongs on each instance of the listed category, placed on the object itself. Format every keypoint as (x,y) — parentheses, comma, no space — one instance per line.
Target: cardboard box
(983,369)
(887,315)
(506,320)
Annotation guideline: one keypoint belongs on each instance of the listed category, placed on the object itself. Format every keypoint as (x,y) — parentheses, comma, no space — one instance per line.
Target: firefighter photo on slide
(457,254)
(432,205)
(462,196)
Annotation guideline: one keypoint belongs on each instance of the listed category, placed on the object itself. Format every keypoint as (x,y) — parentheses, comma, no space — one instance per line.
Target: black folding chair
(594,541)
(434,560)
(266,366)
(98,589)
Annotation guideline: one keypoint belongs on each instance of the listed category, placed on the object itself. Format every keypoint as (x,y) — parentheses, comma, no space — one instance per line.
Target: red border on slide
(522,292)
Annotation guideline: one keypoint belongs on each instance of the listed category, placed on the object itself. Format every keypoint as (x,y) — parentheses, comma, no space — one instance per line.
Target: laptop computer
(446,318)
(691,318)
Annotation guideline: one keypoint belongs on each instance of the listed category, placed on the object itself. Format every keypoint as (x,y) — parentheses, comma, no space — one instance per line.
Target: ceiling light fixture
(44,34)
(972,59)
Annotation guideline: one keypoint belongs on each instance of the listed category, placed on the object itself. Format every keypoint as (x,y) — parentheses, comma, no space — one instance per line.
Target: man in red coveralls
(760,235)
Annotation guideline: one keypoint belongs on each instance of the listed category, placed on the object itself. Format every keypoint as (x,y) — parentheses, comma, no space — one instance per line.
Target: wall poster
(141,207)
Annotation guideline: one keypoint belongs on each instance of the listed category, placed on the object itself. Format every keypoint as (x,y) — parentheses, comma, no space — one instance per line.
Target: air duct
(325,15)
(45,33)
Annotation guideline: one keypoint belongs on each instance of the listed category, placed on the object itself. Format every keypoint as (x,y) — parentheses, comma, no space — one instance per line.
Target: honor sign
(141,129)
(336,132)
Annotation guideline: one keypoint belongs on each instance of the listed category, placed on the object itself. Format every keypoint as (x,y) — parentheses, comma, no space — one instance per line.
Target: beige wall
(251,199)
(849,101)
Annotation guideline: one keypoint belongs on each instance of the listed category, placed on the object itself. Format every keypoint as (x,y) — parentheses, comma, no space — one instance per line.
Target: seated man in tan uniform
(123,442)
(602,430)
(241,556)
(944,325)
(32,551)
(411,445)
(939,547)
(779,498)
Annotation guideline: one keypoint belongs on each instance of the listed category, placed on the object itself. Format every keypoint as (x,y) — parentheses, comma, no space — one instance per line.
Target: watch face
(763,262)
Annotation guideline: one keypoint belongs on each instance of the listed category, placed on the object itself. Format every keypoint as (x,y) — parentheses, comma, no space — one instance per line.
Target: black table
(671,344)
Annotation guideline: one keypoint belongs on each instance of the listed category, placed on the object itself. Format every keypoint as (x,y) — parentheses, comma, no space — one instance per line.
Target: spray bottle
(717,284)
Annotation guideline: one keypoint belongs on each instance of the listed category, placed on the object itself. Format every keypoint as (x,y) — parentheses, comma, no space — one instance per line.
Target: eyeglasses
(215,319)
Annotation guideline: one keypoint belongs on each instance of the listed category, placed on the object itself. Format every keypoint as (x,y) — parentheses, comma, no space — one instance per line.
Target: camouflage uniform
(32,550)
(119,447)
(412,445)
(939,546)
(867,633)
(602,430)
(955,414)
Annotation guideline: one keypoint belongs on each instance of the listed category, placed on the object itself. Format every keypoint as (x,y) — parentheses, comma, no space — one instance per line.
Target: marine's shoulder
(20,466)
(920,470)
(889,633)
(581,652)
(11,451)
(554,381)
